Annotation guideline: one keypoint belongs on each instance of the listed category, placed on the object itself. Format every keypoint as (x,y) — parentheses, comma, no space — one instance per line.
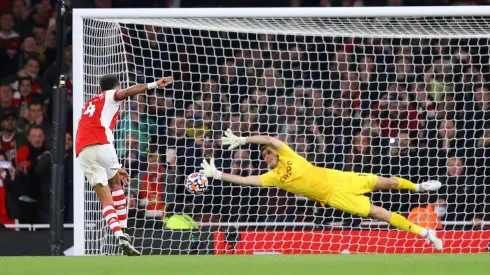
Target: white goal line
(311,224)
(34,227)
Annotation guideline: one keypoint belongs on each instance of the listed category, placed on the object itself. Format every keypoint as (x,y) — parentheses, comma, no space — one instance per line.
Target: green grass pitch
(400,264)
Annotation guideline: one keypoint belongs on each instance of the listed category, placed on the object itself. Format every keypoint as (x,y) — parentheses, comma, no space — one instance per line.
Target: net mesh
(390,96)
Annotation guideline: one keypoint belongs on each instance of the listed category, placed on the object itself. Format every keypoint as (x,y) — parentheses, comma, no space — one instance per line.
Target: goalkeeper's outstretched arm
(209,169)
(264,140)
(141,88)
(234,141)
(247,181)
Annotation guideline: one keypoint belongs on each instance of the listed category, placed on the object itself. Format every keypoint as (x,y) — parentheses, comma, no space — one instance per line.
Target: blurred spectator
(26,161)
(235,204)
(404,70)
(424,103)
(132,160)
(22,14)
(453,180)
(23,96)
(43,171)
(35,116)
(40,36)
(138,123)
(176,132)
(6,97)
(443,142)
(194,153)
(51,76)
(11,137)
(28,50)
(196,121)
(136,216)
(271,80)
(428,215)
(29,73)
(172,177)
(478,158)
(475,115)
(397,114)
(439,78)
(7,191)
(151,187)
(359,159)
(277,205)
(9,38)
(231,83)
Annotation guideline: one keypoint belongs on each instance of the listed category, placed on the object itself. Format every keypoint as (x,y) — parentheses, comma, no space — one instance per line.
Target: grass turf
(400,264)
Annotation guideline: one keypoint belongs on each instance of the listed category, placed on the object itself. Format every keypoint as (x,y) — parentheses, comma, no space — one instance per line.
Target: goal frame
(80,14)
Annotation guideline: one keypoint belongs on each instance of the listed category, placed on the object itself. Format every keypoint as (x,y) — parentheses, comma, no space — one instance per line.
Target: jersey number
(90,109)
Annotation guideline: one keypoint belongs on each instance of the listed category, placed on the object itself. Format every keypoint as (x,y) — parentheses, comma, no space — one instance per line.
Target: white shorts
(99,163)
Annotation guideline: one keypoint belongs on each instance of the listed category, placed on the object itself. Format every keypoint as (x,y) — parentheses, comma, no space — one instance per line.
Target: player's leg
(398,183)
(400,222)
(109,160)
(120,203)
(116,191)
(108,210)
(96,176)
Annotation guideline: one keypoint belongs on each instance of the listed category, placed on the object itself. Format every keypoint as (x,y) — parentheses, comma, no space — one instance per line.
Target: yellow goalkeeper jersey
(295,174)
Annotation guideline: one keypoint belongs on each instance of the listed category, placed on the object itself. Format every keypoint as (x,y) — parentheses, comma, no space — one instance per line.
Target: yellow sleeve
(269,179)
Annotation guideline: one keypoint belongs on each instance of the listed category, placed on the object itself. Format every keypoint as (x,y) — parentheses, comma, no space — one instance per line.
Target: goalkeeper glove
(233,140)
(209,170)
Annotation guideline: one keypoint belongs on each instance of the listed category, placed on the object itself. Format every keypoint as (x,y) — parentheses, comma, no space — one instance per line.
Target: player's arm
(209,169)
(249,181)
(141,88)
(234,141)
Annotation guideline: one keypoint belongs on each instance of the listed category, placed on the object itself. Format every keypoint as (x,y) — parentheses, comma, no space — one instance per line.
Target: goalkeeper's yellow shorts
(348,193)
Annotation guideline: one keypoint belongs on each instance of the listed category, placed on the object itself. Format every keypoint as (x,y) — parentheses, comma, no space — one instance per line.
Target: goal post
(391,45)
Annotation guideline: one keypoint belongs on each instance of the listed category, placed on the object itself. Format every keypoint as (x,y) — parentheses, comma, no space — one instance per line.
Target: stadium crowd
(417,108)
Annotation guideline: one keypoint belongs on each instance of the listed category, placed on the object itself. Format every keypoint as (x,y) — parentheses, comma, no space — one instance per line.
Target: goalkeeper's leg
(403,184)
(400,222)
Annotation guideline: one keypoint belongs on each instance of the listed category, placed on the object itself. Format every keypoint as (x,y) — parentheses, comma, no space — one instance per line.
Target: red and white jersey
(99,117)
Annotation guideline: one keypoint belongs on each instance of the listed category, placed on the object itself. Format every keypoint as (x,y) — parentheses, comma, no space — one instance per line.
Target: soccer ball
(196,183)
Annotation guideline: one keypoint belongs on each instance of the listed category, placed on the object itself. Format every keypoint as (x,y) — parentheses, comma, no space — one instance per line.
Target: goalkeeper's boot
(430,185)
(127,247)
(432,238)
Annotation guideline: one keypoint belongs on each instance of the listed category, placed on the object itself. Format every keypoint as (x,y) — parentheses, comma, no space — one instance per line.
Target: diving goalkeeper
(342,190)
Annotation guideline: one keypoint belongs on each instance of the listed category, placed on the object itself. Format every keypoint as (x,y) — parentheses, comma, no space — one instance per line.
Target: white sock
(424,233)
(417,189)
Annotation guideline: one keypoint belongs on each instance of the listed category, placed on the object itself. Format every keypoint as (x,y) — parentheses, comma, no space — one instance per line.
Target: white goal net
(388,92)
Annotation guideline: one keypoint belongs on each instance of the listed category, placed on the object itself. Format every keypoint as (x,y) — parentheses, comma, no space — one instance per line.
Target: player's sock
(110,217)
(402,223)
(120,204)
(404,184)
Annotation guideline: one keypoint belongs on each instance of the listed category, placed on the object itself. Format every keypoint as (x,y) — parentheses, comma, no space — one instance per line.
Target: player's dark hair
(32,127)
(108,82)
(35,100)
(25,78)
(31,58)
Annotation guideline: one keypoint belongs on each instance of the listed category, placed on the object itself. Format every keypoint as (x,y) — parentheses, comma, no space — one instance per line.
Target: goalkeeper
(342,190)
